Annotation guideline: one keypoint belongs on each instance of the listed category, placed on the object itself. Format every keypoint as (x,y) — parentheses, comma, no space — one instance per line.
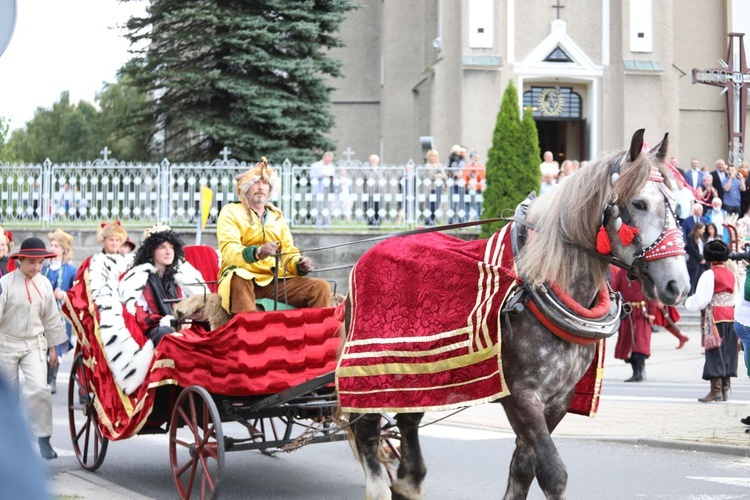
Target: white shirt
(550,168)
(704,290)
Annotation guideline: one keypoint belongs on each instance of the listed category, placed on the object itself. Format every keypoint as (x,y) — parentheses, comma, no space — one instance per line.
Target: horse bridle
(669,243)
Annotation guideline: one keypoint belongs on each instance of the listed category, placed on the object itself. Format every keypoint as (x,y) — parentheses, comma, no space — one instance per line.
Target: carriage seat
(206,260)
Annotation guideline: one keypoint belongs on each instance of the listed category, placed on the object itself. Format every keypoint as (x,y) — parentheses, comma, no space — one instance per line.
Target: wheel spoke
(193,423)
(206,472)
(206,437)
(85,452)
(182,469)
(182,443)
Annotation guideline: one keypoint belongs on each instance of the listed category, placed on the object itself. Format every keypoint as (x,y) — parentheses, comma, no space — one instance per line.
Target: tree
(65,132)
(512,161)
(123,128)
(6,153)
(247,75)
(77,132)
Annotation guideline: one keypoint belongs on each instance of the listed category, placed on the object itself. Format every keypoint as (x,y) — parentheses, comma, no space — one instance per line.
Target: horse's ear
(636,145)
(661,148)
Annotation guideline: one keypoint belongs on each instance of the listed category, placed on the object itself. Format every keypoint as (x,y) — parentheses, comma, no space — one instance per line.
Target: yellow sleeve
(229,236)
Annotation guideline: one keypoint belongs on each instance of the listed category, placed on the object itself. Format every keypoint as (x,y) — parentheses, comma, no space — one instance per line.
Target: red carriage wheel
(89,443)
(197,453)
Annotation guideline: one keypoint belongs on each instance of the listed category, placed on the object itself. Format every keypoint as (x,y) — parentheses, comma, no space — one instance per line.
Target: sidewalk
(83,485)
(684,422)
(678,423)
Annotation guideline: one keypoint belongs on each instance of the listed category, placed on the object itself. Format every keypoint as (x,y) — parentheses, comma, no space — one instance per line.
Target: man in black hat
(30,328)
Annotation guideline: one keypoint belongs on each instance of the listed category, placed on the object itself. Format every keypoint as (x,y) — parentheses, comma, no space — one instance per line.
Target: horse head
(641,198)
(619,210)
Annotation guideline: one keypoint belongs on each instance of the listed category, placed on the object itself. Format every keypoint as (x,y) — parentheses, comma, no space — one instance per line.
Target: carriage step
(151,429)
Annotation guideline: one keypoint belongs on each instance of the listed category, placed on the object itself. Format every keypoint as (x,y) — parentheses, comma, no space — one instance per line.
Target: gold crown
(159,227)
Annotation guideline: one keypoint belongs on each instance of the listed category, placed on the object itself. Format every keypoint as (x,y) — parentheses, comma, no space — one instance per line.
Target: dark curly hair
(145,253)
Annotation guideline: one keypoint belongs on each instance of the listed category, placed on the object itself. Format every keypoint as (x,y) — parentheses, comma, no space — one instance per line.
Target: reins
(410,232)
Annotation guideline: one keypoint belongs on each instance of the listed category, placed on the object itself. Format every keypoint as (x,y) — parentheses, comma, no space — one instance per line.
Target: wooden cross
(558,7)
(225,154)
(732,76)
(105,153)
(349,153)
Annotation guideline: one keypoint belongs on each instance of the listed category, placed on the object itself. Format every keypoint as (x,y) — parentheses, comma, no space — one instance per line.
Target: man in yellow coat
(250,234)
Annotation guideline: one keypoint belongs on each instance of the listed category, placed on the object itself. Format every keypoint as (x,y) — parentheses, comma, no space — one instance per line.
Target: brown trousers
(297,292)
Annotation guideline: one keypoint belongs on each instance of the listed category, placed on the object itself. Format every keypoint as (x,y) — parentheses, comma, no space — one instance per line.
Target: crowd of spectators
(449,187)
(552,173)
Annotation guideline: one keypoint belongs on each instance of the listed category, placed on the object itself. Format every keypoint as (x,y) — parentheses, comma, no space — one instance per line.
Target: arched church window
(553,103)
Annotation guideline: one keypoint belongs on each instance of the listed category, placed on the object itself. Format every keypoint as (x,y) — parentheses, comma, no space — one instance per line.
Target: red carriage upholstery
(205,259)
(254,354)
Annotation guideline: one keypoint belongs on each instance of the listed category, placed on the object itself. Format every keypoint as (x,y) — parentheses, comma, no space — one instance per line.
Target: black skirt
(722,361)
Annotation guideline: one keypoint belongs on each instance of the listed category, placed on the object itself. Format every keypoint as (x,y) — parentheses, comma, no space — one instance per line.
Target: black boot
(635,377)
(638,361)
(52,377)
(45,449)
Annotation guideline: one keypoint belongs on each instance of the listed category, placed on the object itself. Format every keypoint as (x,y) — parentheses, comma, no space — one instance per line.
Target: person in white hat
(250,233)
(30,328)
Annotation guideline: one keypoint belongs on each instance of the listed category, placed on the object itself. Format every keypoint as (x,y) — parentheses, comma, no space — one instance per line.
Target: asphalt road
(462,464)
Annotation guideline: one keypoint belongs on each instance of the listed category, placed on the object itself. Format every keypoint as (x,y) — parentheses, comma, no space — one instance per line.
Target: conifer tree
(512,168)
(251,76)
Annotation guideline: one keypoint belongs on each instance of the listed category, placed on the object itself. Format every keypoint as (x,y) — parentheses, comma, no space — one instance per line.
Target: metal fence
(354,196)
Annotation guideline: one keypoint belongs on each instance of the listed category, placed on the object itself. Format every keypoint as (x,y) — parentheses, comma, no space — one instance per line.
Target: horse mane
(572,213)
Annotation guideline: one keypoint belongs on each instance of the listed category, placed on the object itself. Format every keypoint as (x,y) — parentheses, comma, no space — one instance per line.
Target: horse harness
(559,315)
(547,305)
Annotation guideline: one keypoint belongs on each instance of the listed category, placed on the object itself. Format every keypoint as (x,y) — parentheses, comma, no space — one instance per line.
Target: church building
(433,72)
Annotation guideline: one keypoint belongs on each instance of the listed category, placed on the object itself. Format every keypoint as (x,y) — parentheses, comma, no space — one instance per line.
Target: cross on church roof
(737,80)
(558,7)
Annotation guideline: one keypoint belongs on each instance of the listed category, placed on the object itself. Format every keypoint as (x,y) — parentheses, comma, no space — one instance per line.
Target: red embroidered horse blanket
(426,327)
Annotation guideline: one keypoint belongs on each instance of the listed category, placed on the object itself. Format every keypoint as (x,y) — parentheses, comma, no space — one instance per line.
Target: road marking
(732,481)
(463,433)
(662,399)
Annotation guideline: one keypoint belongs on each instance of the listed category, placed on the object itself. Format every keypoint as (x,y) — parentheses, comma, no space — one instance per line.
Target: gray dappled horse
(541,370)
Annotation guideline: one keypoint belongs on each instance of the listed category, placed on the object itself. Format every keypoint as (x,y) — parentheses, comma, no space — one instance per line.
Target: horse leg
(536,453)
(412,470)
(366,430)
(521,472)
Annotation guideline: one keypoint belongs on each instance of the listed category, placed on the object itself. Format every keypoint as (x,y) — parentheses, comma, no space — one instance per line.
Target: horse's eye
(640,205)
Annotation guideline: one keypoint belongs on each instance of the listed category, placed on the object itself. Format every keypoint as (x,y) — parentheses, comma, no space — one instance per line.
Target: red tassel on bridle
(603,245)
(627,234)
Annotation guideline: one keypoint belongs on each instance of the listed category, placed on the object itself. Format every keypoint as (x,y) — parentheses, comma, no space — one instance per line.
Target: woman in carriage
(159,276)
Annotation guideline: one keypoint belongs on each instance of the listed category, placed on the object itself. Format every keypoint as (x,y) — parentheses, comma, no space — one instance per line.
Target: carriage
(529,333)
(271,372)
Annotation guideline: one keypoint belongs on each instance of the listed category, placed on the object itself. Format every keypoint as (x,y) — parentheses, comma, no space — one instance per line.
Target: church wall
(582,20)
(481,103)
(447,103)
(356,99)
(404,57)
(429,92)
(611,126)
(700,41)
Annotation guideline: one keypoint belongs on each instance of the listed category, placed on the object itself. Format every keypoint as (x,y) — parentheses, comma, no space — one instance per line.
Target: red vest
(723,282)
